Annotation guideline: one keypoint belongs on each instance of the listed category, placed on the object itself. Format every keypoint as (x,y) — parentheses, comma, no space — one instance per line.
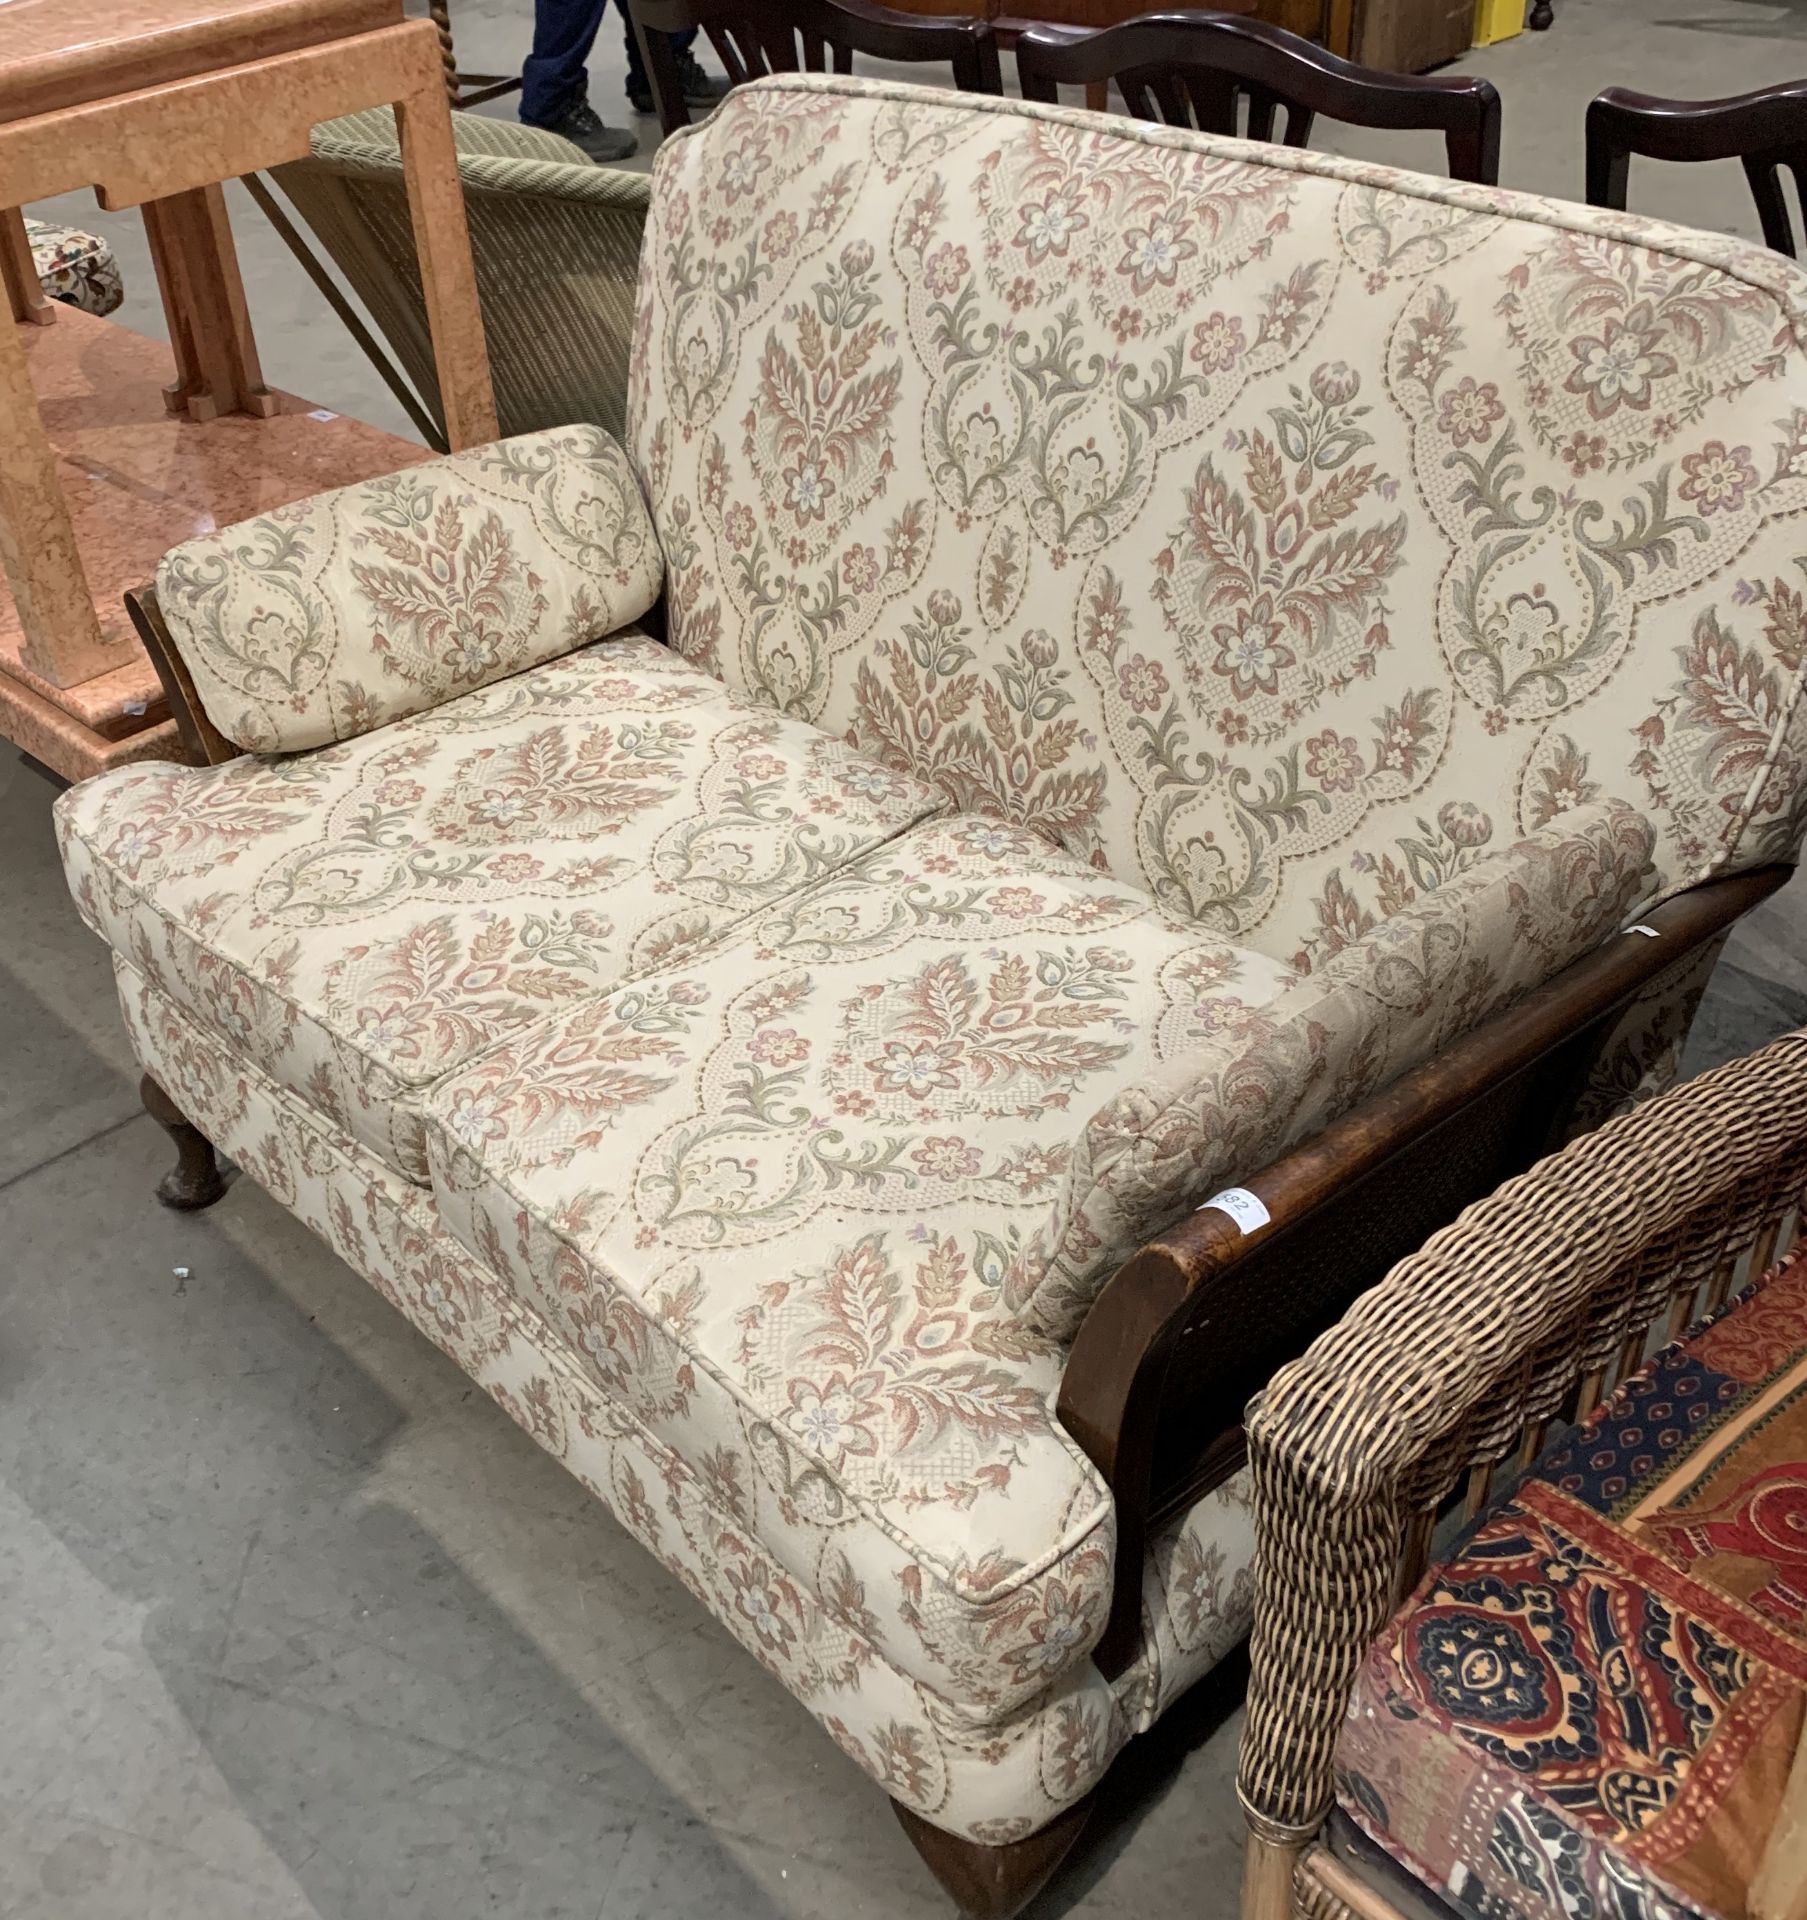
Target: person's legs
(555,87)
(553,79)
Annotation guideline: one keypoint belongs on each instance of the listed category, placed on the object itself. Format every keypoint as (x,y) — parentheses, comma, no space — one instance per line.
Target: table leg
(62,635)
(217,368)
(447,277)
(25,294)
(1098,95)
(165,265)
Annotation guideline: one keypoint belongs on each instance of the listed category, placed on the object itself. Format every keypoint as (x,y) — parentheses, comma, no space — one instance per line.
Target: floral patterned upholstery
(1223,510)
(770,1196)
(361,920)
(873,1086)
(992,1781)
(324,619)
(77,268)
(1168,632)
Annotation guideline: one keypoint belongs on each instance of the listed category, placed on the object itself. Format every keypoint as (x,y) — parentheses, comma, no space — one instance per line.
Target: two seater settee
(1113,666)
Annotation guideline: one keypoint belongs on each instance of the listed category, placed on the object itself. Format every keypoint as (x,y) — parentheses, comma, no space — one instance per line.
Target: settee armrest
(1199,1319)
(346,610)
(1274,1075)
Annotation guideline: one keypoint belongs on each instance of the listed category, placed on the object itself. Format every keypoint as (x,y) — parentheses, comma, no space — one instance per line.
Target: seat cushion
(769,1196)
(1593,1705)
(991,1783)
(361,920)
(1386,1000)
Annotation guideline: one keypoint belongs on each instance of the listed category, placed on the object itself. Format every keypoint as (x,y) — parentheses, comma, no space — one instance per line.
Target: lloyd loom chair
(556,243)
(1526,1308)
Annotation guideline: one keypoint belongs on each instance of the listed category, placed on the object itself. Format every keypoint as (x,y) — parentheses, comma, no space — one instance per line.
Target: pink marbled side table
(137,478)
(153,103)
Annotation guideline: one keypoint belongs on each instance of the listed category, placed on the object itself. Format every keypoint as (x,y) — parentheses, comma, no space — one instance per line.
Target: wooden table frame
(25,294)
(166,148)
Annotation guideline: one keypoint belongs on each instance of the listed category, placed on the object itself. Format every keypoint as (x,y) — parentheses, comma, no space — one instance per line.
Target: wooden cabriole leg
(195,1180)
(993,1883)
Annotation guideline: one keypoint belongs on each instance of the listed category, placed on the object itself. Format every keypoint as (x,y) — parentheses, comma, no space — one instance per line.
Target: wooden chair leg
(63,638)
(192,250)
(195,1180)
(993,1883)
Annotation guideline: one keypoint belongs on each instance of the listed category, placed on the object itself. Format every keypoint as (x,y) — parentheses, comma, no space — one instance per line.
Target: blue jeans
(553,77)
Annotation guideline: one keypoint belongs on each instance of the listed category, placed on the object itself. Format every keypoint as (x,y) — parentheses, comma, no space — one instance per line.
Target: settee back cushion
(1278,531)
(322,620)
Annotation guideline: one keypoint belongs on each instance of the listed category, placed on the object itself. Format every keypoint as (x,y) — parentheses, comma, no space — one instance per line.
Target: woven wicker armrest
(537,173)
(471,133)
(1524,1308)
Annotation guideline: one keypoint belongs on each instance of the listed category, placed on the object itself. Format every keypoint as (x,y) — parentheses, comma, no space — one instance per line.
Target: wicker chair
(1526,1308)
(557,246)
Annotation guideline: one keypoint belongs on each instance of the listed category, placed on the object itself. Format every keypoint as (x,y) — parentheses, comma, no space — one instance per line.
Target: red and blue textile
(1590,1710)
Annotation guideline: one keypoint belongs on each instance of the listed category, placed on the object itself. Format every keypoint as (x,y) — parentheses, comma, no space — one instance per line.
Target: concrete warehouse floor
(293,1622)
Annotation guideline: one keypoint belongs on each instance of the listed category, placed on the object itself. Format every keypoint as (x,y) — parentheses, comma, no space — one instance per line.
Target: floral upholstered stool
(1592,1708)
(74,267)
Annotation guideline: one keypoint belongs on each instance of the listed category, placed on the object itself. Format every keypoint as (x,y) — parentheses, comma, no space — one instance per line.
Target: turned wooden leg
(194,1181)
(992,1883)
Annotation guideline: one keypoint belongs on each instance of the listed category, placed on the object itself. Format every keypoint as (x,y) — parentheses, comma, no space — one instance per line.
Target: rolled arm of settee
(324,619)
(1201,1316)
